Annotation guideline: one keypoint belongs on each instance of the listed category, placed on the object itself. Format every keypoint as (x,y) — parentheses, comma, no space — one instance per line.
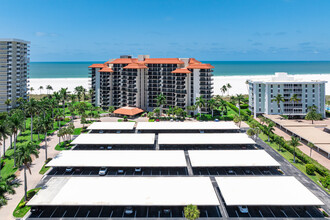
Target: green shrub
(310,169)
(244,106)
(151,120)
(325,181)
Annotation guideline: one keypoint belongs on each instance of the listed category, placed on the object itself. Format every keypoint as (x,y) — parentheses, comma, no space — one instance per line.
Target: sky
(224,30)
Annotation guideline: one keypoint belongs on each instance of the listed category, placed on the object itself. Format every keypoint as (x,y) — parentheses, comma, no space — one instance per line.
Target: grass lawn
(25,136)
(122,120)
(65,145)
(77,131)
(288,156)
(88,104)
(21,209)
(44,169)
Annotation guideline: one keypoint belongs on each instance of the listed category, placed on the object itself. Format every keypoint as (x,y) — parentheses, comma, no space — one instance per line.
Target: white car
(109,147)
(101,148)
(103,171)
(128,210)
(68,169)
(243,209)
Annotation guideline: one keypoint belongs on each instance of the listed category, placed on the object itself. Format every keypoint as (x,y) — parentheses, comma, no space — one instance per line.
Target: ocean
(221,68)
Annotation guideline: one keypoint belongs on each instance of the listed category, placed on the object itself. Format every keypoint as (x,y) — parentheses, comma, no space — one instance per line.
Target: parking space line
(40,213)
(308,213)
(64,213)
(295,212)
(100,212)
(260,213)
(76,212)
(271,212)
(53,212)
(284,213)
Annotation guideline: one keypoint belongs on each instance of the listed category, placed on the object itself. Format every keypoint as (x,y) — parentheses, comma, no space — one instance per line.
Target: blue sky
(86,30)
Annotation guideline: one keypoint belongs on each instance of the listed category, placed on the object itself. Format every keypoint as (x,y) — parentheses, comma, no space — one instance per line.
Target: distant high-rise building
(14,60)
(136,82)
(308,93)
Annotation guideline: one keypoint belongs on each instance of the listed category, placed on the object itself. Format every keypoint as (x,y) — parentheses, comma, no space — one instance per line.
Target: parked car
(103,171)
(231,172)
(243,209)
(109,147)
(246,171)
(120,171)
(101,131)
(138,169)
(68,169)
(266,172)
(101,148)
(128,210)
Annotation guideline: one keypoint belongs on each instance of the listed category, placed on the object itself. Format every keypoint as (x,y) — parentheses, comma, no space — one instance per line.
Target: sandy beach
(237,83)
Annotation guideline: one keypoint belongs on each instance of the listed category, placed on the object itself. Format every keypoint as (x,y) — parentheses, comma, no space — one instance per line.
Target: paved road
(291,170)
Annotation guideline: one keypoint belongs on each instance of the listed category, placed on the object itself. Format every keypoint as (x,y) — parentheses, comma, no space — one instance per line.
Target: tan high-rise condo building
(14,60)
(136,82)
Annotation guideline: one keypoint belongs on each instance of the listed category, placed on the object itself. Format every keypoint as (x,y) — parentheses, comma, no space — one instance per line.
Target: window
(271,86)
(259,109)
(271,110)
(271,91)
(313,90)
(259,95)
(259,85)
(259,90)
(305,86)
(313,86)
(313,95)
(306,96)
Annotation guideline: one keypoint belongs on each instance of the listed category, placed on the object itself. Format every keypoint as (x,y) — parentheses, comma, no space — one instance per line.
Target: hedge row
(208,117)
(280,141)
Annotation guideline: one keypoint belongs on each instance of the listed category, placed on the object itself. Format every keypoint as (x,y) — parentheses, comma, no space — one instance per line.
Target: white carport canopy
(122,139)
(186,126)
(264,191)
(122,158)
(116,126)
(204,139)
(231,158)
(126,191)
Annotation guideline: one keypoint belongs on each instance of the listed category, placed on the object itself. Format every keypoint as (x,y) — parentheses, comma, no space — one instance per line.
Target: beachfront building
(136,82)
(14,60)
(263,91)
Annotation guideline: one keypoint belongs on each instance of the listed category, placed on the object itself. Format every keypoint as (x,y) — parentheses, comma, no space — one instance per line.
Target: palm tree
(228,87)
(311,146)
(111,110)
(238,120)
(31,89)
(239,98)
(7,185)
(212,105)
(294,98)
(223,89)
(46,124)
(161,100)
(91,93)
(191,212)
(4,132)
(8,102)
(49,87)
(31,108)
(16,120)
(73,98)
(222,106)
(200,103)
(312,114)
(64,96)
(250,132)
(40,88)
(278,99)
(78,90)
(24,158)
(270,128)
(294,143)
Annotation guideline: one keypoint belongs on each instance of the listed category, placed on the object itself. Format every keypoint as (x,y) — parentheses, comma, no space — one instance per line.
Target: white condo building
(261,93)
(14,75)
(136,82)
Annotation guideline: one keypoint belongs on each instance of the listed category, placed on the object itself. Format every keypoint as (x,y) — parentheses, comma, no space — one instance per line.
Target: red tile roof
(200,66)
(193,61)
(163,61)
(124,60)
(97,65)
(135,66)
(128,111)
(106,70)
(182,70)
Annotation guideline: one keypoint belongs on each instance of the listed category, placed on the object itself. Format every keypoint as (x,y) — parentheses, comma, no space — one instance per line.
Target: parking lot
(120,171)
(114,147)
(275,212)
(207,147)
(118,211)
(223,171)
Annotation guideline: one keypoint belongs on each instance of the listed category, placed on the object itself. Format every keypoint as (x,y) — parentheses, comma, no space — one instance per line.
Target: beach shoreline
(237,82)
